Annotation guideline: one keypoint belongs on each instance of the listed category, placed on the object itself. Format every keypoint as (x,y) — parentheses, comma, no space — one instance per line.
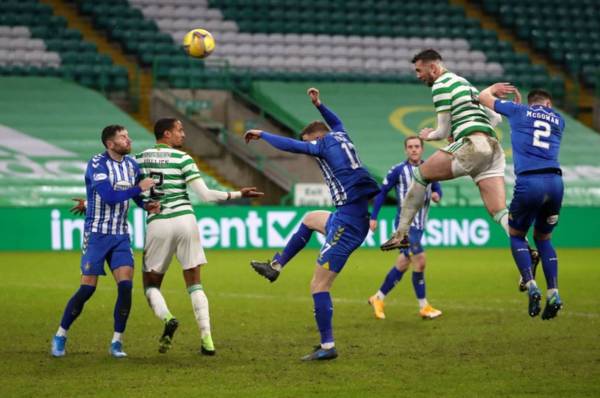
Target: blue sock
(324,316)
(391,279)
(520,253)
(75,305)
(549,262)
(294,245)
(418,280)
(123,305)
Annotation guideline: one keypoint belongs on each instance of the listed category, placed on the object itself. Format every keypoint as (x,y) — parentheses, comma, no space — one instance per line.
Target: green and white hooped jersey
(172,170)
(454,94)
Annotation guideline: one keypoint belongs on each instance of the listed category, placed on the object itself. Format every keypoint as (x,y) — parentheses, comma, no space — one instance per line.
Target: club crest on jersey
(100,176)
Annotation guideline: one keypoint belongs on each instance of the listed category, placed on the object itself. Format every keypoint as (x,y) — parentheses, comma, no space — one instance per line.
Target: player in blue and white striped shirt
(400,177)
(111,179)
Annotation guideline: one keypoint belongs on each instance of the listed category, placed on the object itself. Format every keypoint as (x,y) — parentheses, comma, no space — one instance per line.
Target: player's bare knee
(191,276)
(316,220)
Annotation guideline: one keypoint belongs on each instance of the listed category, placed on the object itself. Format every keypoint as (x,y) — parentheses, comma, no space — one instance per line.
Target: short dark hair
(312,127)
(537,95)
(427,55)
(412,137)
(110,131)
(163,125)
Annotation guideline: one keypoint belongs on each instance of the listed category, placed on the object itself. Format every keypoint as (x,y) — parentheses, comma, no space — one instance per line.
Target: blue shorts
(414,237)
(537,197)
(97,248)
(343,235)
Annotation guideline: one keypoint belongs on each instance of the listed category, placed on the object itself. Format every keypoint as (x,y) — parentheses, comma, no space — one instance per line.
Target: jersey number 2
(542,130)
(351,153)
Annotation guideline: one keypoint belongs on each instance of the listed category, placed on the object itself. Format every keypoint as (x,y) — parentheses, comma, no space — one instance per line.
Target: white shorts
(478,156)
(168,236)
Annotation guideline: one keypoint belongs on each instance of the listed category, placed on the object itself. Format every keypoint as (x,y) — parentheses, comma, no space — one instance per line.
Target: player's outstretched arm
(496,91)
(283,143)
(436,192)
(334,122)
(211,195)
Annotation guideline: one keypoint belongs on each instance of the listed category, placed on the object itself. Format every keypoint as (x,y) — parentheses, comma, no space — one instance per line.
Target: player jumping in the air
(475,150)
(174,229)
(400,177)
(111,179)
(351,187)
(536,132)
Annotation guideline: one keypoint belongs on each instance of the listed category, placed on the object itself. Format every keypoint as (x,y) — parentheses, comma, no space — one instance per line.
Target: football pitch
(484,345)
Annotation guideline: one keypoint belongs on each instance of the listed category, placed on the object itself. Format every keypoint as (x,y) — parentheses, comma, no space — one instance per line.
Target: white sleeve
(495,118)
(443,127)
(210,195)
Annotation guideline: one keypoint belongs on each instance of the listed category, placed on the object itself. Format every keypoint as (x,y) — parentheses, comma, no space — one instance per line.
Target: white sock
(328,346)
(200,306)
(531,282)
(412,203)
(61,332)
(423,303)
(550,292)
(158,304)
(502,218)
(116,337)
(380,295)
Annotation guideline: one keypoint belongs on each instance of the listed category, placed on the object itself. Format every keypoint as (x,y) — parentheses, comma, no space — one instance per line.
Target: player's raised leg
(436,168)
(72,310)
(123,275)
(313,221)
(200,307)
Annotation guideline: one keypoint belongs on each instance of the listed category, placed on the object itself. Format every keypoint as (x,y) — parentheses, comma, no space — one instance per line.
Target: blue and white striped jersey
(400,177)
(109,185)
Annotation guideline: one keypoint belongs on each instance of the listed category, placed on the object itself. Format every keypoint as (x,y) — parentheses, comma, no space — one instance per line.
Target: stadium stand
(567,30)
(310,40)
(397,110)
(34,42)
(43,158)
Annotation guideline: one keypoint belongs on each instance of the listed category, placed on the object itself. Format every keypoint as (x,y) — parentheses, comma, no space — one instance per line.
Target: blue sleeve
(386,186)
(292,145)
(112,197)
(506,108)
(139,201)
(437,188)
(331,118)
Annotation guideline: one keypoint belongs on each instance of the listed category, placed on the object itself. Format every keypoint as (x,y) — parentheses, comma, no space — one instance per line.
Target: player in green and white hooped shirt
(174,229)
(474,149)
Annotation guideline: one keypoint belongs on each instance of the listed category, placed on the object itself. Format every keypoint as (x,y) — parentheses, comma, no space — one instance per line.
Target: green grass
(484,345)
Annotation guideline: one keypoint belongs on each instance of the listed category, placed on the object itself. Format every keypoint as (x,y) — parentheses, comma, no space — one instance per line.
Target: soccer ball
(198,43)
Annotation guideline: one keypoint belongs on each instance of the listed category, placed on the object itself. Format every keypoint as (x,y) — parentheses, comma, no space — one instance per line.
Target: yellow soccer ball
(198,43)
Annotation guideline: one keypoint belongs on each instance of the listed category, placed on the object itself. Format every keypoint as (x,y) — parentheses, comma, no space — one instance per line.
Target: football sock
(412,203)
(123,305)
(423,303)
(502,218)
(418,280)
(200,306)
(75,305)
(61,332)
(520,253)
(550,292)
(294,245)
(391,279)
(116,337)
(324,316)
(158,304)
(549,262)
